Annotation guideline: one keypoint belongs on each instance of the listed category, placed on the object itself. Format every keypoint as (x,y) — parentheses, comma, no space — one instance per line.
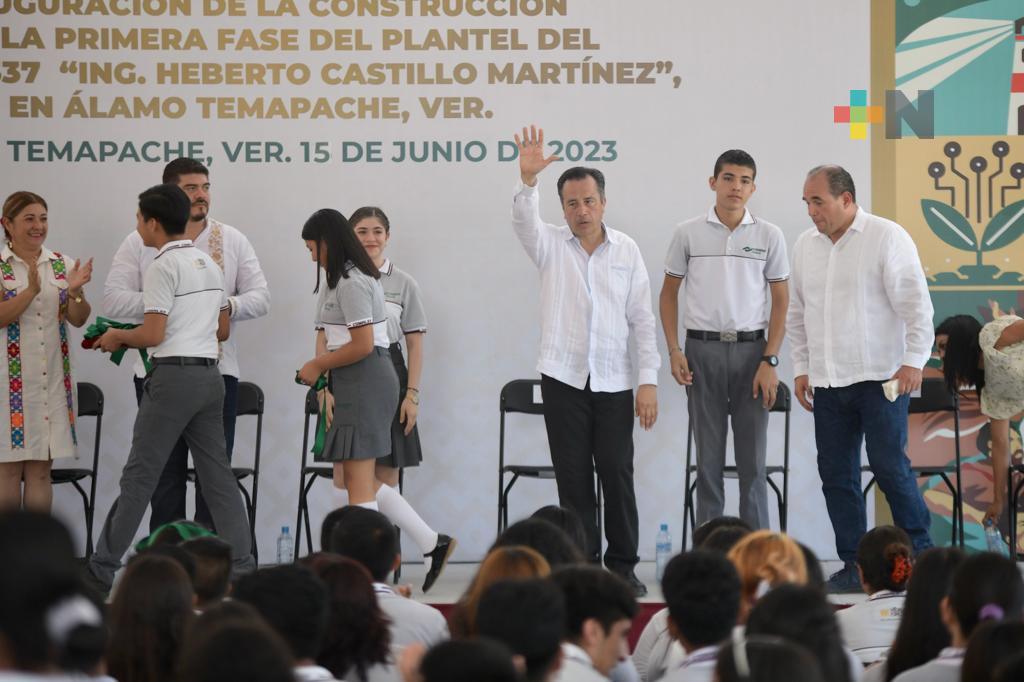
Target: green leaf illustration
(949,225)
(1004,228)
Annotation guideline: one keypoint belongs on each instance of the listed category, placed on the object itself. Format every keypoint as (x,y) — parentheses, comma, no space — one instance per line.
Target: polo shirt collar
(713,218)
(175,244)
(387,267)
(609,234)
(44,255)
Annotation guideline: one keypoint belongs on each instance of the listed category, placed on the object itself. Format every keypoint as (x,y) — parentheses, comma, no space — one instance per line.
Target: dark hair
(364,212)
(528,616)
(1010,669)
(704,530)
(991,644)
(182,166)
(921,634)
(330,521)
(357,634)
(18,202)
(838,178)
(592,592)
(174,553)
(815,576)
(468,660)
(168,205)
(884,556)
(803,615)
(234,649)
(982,580)
(566,519)
(212,557)
(735,157)
(368,537)
(702,591)
(960,361)
(292,600)
(81,637)
(723,539)
(329,227)
(581,173)
(770,659)
(149,616)
(550,541)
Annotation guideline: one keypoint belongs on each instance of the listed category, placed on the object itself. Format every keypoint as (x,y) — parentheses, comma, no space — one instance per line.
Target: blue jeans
(843,417)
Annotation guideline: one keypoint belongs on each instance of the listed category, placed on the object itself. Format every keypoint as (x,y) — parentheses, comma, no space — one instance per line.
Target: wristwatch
(772,360)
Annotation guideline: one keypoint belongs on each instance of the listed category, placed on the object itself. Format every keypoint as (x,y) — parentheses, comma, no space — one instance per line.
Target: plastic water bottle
(994,540)
(285,547)
(662,551)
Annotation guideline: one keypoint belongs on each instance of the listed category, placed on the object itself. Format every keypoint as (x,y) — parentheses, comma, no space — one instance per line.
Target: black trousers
(588,429)
(168,502)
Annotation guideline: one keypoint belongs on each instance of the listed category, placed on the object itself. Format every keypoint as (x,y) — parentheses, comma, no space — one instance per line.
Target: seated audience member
(475,660)
(1011,669)
(815,576)
(236,649)
(357,643)
(920,635)
(150,614)
(723,538)
(702,532)
(803,615)
(567,520)
(766,659)
(293,602)
(501,563)
(368,537)
(985,586)
(992,644)
(331,521)
(702,591)
(549,540)
(212,581)
(528,616)
(884,564)
(764,560)
(173,552)
(77,629)
(600,607)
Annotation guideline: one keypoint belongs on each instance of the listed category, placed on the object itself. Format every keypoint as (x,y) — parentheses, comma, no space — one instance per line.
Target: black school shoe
(639,589)
(438,559)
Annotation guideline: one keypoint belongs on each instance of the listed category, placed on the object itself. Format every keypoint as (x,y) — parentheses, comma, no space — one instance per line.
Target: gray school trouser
(177,401)
(723,379)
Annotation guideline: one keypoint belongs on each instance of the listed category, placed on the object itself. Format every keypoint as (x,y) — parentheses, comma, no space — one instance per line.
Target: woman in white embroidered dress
(42,293)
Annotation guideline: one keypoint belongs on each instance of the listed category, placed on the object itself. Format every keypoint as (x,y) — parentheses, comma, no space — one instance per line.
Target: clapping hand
(80,275)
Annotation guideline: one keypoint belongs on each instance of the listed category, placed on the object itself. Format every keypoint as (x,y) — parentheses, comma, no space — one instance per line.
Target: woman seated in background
(764,560)
(501,563)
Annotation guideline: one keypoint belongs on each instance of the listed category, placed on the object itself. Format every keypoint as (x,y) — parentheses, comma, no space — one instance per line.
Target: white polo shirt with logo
(728,272)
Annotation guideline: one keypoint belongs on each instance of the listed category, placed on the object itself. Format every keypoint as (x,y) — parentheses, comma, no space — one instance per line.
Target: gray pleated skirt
(405,450)
(365,399)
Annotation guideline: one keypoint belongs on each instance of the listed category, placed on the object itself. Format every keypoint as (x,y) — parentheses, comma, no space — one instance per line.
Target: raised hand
(35,284)
(531,154)
(80,275)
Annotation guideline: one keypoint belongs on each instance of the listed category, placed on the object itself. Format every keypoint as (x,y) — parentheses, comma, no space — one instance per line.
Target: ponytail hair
(884,555)
(329,229)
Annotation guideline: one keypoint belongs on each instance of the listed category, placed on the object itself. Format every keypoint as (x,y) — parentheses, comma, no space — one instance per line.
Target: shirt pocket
(619,278)
(16,284)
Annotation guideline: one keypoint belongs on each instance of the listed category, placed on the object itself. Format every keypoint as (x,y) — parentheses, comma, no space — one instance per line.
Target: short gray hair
(839,180)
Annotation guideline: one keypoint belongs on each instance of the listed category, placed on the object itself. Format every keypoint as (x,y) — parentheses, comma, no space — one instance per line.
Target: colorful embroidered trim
(60,274)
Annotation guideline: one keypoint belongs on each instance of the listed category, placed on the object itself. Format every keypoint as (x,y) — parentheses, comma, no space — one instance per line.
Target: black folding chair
(783,404)
(936,397)
(517,397)
(90,404)
(309,473)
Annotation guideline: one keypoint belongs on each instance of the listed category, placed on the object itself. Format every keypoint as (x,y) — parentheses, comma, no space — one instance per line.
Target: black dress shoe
(92,583)
(639,589)
(438,559)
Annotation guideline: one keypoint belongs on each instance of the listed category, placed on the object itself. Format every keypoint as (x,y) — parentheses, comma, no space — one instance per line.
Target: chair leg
(867,488)
(250,512)
(85,505)
(782,504)
(305,513)
(693,512)
(503,504)
(953,494)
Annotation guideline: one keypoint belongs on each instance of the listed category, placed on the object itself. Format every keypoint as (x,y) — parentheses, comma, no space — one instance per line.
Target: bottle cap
(664,526)
(284,529)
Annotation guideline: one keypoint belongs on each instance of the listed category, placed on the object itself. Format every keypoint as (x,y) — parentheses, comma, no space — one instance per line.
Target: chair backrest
(935,397)
(90,400)
(783,399)
(517,396)
(250,399)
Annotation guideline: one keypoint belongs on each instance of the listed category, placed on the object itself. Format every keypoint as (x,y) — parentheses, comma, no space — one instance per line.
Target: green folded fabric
(321,426)
(101,326)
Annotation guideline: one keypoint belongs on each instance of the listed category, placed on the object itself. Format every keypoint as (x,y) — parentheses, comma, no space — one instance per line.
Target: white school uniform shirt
(402,302)
(944,668)
(698,666)
(577,666)
(185,284)
(355,301)
(411,621)
(246,286)
(656,651)
(589,304)
(728,272)
(869,628)
(858,309)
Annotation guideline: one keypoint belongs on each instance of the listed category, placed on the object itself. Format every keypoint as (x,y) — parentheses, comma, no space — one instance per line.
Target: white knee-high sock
(401,513)
(369,505)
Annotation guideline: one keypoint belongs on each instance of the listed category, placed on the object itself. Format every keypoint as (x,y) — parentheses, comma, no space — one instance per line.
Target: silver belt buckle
(730,336)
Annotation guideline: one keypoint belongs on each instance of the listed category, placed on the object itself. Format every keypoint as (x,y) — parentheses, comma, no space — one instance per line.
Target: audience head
(528,616)
(150,613)
(367,536)
(357,634)
(173,552)
(331,521)
(212,558)
(293,601)
(803,614)
(815,576)
(921,635)
(1010,669)
(992,644)
(986,586)
(765,559)
(468,660)
(566,519)
(549,540)
(235,649)
(702,591)
(77,630)
(884,557)
(723,539)
(766,659)
(702,532)
(501,563)
(600,607)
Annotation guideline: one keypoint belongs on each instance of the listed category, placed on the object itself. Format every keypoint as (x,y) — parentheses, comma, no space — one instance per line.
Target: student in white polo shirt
(736,271)
(186,314)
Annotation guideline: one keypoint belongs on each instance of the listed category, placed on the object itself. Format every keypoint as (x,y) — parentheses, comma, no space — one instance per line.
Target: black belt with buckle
(183,360)
(727,337)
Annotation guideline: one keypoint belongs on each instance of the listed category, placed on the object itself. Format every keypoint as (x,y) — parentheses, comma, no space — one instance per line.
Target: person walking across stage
(860,325)
(595,292)
(186,314)
(248,297)
(735,267)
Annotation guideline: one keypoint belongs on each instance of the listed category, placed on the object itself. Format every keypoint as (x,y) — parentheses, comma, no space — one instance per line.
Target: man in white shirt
(860,316)
(595,293)
(735,268)
(248,297)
